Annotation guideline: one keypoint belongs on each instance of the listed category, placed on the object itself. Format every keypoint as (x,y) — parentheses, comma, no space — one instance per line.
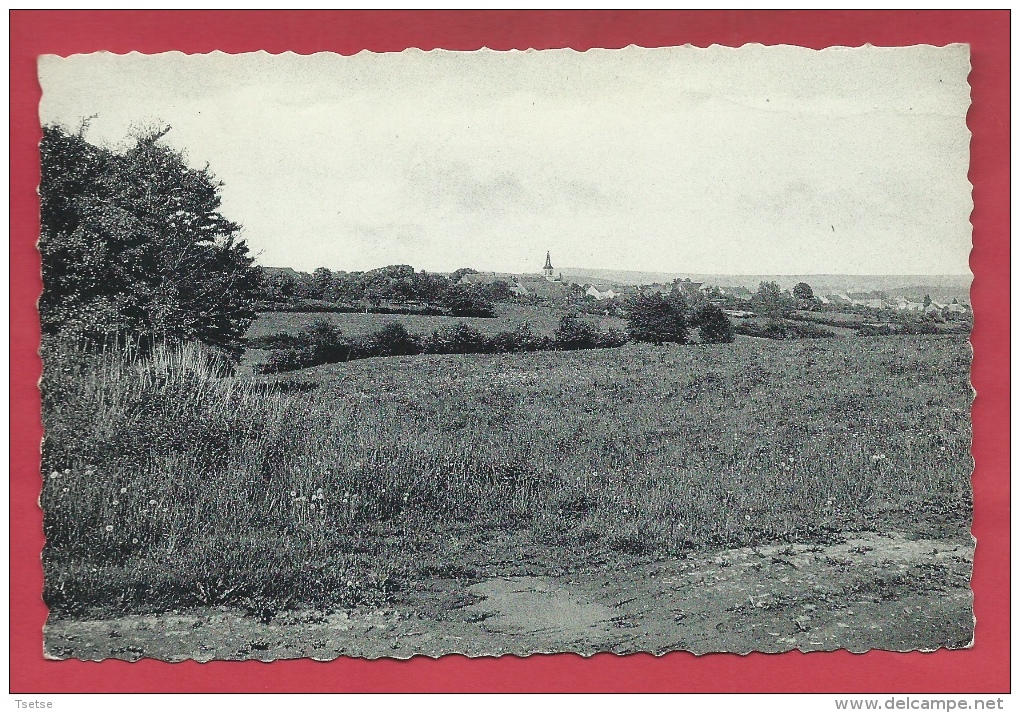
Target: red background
(984,668)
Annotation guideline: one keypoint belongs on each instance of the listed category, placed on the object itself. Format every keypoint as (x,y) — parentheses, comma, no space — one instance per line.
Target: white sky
(760,160)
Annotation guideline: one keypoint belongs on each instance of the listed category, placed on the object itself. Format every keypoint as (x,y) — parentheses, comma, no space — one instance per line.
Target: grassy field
(542,320)
(168,487)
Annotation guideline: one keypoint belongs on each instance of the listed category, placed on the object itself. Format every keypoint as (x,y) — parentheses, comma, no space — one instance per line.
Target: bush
(458,339)
(713,325)
(576,333)
(393,340)
(280,340)
(521,339)
(782,329)
(653,318)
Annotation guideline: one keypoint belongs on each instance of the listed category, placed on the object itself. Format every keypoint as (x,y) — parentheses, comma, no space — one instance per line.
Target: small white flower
(109,528)
(134,540)
(54,474)
(67,471)
(152,502)
(123,490)
(293,493)
(116,502)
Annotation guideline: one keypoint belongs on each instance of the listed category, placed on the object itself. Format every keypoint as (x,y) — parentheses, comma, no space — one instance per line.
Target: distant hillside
(940,287)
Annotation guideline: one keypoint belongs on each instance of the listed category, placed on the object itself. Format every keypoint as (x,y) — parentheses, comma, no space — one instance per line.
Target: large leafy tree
(133,246)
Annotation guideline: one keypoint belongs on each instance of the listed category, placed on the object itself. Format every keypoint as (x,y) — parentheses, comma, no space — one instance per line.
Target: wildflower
(66,489)
(109,528)
(747,517)
(67,471)
(54,474)
(134,540)
(293,493)
(116,502)
(123,490)
(311,506)
(152,502)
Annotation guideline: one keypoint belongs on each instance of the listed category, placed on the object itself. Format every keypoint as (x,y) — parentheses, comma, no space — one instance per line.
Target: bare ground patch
(871,591)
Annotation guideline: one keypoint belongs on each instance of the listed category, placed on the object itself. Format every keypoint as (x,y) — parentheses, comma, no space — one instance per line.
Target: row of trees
(394,283)
(324,343)
(134,248)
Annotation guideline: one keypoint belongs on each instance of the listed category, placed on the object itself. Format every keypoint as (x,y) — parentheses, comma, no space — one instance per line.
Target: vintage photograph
(485,353)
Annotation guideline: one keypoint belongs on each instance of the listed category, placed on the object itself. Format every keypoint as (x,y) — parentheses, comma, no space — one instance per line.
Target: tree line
(393,284)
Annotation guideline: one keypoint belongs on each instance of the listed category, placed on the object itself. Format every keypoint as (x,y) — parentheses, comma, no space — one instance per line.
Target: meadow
(169,484)
(542,320)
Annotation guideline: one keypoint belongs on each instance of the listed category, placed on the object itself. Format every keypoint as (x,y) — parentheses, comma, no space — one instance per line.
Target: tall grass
(169,483)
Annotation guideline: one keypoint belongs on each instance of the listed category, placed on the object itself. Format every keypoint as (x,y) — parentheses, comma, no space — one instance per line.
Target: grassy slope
(558,457)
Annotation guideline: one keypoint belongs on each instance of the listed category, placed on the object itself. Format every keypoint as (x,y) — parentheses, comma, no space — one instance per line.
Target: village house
(905,305)
(603,293)
(740,293)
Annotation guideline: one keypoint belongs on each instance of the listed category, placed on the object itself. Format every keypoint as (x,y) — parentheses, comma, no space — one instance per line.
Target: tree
(803,291)
(462,301)
(278,286)
(770,298)
(134,248)
(322,283)
(713,325)
(654,318)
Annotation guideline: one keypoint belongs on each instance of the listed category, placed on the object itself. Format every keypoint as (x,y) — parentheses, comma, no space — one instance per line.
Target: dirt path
(872,591)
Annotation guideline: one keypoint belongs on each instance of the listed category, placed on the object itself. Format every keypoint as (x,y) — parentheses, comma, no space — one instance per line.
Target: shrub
(713,325)
(458,339)
(521,339)
(576,333)
(393,340)
(781,329)
(653,318)
(280,340)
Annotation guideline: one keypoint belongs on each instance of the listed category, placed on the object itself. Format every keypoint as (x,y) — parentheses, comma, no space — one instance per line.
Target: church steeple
(548,269)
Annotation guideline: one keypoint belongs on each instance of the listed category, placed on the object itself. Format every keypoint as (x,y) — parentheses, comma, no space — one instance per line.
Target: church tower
(548,269)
